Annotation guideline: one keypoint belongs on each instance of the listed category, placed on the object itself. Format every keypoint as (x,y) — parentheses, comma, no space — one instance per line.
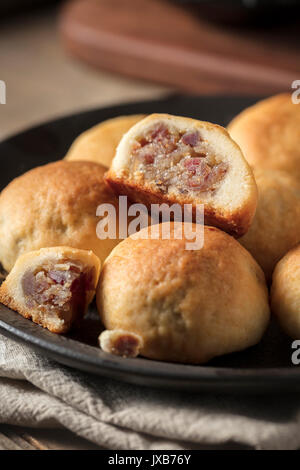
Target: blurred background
(58,57)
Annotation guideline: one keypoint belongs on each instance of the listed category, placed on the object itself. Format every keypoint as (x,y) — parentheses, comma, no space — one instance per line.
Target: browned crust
(236,224)
(8,300)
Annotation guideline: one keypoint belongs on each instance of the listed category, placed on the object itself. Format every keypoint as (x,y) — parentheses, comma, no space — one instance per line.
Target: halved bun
(173,159)
(52,286)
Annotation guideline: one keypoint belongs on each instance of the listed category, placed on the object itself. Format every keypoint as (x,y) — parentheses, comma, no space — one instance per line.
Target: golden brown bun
(99,143)
(269,134)
(75,275)
(276,225)
(285,292)
(54,205)
(187,306)
(230,206)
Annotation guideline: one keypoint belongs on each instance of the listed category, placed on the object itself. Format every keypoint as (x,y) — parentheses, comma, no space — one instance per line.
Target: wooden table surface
(19,438)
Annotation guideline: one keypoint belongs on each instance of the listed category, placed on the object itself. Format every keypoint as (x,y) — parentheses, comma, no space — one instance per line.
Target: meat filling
(58,288)
(176,160)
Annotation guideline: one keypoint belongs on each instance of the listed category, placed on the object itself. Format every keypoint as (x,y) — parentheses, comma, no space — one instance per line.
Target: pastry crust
(52,286)
(54,205)
(99,143)
(187,306)
(229,200)
(276,225)
(269,134)
(285,292)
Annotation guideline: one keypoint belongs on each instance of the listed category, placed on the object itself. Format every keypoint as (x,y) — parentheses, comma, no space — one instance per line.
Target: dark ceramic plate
(266,367)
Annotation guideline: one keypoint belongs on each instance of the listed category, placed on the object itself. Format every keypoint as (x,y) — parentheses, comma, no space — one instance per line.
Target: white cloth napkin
(35,391)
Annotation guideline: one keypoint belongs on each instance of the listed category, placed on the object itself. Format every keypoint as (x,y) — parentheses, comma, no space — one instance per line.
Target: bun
(99,143)
(54,205)
(285,292)
(269,134)
(276,225)
(186,306)
(171,159)
(52,286)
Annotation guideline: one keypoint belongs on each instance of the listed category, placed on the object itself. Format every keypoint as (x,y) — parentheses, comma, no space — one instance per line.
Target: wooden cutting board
(171,44)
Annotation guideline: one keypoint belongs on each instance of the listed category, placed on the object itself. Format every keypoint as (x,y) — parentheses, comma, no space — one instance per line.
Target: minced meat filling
(126,345)
(181,160)
(58,286)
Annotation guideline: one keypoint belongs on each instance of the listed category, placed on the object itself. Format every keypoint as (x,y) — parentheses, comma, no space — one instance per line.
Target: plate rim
(199,375)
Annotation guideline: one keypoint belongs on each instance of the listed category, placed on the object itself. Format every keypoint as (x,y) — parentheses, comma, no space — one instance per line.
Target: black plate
(266,367)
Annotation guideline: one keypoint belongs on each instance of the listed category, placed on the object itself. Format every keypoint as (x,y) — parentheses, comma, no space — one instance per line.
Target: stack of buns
(156,297)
